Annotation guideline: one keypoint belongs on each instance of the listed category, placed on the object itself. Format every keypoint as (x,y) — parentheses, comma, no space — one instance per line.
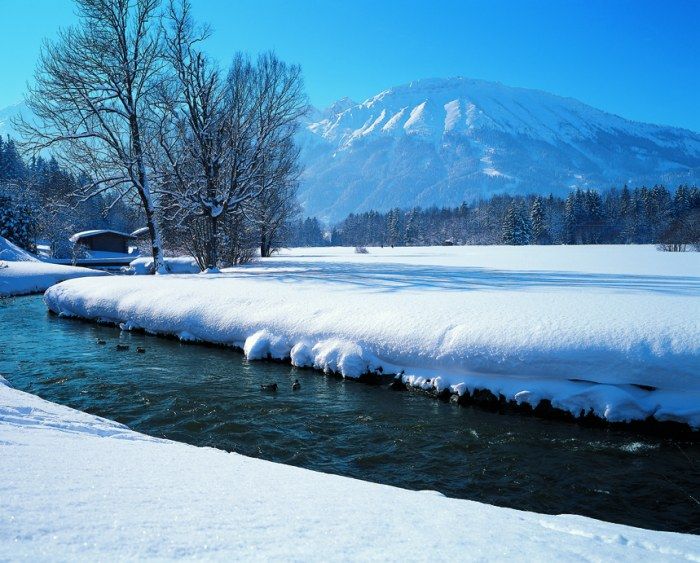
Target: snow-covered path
(77,487)
(613,329)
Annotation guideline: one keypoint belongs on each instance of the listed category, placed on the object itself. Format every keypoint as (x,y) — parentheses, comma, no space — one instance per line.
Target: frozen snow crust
(79,487)
(612,331)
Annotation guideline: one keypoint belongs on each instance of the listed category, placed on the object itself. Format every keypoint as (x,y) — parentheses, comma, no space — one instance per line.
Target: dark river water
(211,397)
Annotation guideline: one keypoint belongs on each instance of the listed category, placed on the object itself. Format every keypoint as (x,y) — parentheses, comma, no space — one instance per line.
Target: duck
(122,347)
(269,387)
(100,341)
(141,350)
(296,385)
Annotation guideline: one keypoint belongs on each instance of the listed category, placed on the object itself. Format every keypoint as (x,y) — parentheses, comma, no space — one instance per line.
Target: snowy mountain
(445,141)
(6,116)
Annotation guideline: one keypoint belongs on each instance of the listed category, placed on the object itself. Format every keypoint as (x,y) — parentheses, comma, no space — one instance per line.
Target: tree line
(144,128)
(36,205)
(130,103)
(615,216)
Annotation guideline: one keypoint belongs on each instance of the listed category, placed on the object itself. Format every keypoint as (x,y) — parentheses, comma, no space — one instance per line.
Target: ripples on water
(211,397)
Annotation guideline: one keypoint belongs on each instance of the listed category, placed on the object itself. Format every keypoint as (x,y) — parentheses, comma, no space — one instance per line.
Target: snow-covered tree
(393,227)
(516,226)
(540,233)
(277,203)
(91,98)
(225,140)
(18,223)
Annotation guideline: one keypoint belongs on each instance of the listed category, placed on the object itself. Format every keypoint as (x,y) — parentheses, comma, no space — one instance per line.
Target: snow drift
(75,486)
(22,273)
(10,252)
(610,330)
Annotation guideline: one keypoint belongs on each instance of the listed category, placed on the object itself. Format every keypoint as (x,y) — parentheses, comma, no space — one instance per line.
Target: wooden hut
(104,240)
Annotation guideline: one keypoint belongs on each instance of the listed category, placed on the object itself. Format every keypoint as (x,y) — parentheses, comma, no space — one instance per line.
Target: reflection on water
(211,397)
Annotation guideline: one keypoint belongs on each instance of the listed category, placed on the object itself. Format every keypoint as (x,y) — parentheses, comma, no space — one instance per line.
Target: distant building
(104,240)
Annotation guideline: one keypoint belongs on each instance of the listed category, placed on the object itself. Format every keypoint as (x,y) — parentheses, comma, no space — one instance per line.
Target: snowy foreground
(22,273)
(612,329)
(75,486)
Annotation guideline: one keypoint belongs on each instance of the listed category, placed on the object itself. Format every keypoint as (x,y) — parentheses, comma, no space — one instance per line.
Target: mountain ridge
(444,141)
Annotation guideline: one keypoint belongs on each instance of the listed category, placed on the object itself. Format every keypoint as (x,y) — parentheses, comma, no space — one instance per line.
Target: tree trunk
(264,244)
(159,266)
(143,188)
(212,258)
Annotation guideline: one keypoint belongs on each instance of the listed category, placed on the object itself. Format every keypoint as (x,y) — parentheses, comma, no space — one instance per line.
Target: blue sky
(639,59)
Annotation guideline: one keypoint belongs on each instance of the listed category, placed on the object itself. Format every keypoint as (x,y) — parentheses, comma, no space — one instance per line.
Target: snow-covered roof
(139,232)
(87,234)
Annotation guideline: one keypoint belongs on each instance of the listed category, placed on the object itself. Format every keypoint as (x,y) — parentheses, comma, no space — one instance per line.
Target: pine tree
(18,223)
(393,227)
(409,228)
(593,217)
(540,233)
(516,228)
(570,218)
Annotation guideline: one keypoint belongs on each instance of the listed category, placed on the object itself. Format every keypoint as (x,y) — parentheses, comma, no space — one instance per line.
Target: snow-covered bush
(672,247)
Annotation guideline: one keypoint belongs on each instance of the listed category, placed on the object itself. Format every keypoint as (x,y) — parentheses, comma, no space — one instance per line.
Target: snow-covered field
(21,273)
(582,326)
(77,487)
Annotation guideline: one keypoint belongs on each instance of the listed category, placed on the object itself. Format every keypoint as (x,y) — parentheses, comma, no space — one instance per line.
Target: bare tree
(264,160)
(216,134)
(91,97)
(191,134)
(277,204)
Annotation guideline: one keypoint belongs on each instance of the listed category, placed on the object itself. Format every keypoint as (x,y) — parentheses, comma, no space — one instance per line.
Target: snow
(372,156)
(176,265)
(93,232)
(586,327)
(10,252)
(416,118)
(8,114)
(79,487)
(394,120)
(22,273)
(139,232)
(453,115)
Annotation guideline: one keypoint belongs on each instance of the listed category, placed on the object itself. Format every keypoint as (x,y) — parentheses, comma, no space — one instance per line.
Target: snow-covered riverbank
(75,486)
(21,273)
(612,329)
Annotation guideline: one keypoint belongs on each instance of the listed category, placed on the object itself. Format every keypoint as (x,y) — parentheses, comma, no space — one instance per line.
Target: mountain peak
(339,106)
(441,141)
